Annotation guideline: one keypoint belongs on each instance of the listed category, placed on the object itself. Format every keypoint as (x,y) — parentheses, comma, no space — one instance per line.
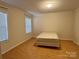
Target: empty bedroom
(39,29)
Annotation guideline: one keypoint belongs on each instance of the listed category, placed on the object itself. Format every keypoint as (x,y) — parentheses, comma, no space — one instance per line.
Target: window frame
(5,12)
(26,22)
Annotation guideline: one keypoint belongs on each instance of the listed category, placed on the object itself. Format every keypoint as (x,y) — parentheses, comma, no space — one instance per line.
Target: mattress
(48,39)
(48,35)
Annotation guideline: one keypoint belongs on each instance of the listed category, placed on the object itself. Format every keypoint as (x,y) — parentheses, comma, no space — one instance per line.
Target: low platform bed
(48,39)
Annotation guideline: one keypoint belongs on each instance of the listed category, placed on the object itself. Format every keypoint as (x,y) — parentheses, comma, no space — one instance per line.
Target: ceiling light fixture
(49,5)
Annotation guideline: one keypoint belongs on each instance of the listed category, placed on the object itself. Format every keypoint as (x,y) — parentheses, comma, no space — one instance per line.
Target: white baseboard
(14,46)
(76,42)
(34,36)
(65,38)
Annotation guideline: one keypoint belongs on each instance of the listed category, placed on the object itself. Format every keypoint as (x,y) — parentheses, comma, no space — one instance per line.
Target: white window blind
(3,24)
(28,24)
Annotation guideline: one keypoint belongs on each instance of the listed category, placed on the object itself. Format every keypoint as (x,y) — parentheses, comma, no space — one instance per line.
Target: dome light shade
(49,5)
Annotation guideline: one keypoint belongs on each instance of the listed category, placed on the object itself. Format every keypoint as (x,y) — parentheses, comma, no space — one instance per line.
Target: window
(28,24)
(3,26)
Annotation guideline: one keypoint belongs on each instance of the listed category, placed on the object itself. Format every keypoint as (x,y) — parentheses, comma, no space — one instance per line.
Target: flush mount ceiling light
(49,5)
(45,5)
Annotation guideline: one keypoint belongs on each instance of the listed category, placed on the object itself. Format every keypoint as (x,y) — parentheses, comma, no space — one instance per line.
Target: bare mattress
(48,39)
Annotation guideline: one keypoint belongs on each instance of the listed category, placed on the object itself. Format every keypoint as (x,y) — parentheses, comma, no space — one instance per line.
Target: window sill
(3,40)
(28,32)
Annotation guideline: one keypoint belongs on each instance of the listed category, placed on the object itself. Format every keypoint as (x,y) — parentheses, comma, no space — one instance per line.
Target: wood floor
(27,50)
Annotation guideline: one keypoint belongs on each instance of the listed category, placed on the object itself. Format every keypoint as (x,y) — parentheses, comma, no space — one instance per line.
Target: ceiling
(39,6)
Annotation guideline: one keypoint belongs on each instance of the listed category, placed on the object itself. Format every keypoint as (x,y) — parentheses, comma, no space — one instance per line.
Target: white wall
(60,22)
(76,26)
(16,27)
